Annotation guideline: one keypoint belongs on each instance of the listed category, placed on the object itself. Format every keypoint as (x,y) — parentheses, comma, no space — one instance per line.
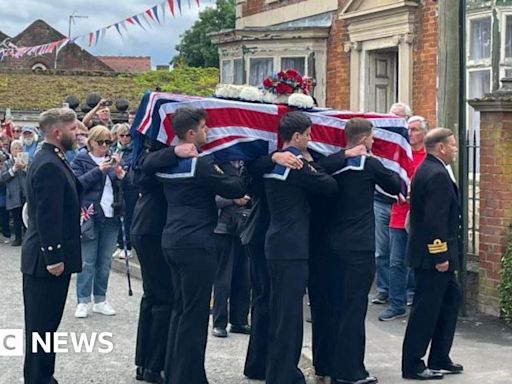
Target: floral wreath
(286,83)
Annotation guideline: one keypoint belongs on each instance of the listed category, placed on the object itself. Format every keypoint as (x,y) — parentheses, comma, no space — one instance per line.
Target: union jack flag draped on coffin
(240,130)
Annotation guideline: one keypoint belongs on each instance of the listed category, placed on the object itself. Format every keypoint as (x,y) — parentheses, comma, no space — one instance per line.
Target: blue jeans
(96,262)
(398,272)
(382,213)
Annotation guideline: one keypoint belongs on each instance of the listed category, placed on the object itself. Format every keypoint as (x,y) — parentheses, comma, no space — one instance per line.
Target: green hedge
(31,91)
(505,286)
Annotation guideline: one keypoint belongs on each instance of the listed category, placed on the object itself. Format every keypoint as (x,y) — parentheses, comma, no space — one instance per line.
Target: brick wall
(495,202)
(425,63)
(252,7)
(338,65)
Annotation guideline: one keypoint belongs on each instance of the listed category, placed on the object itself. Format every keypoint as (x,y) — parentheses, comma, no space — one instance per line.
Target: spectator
(30,140)
(15,132)
(100,175)
(14,179)
(82,133)
(123,147)
(131,117)
(99,115)
(4,215)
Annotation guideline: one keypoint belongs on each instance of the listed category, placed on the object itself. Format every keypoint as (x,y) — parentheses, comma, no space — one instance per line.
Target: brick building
(364,54)
(72,57)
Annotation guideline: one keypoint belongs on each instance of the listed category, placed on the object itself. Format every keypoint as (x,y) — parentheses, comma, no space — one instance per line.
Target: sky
(158,41)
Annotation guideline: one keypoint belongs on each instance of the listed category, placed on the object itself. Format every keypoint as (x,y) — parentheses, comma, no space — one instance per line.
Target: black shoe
(16,243)
(54,381)
(426,374)
(139,373)
(450,368)
(219,332)
(244,329)
(366,380)
(153,377)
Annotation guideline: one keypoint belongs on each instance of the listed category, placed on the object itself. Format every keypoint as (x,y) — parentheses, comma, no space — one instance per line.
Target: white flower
(221,90)
(251,94)
(233,91)
(300,100)
(269,97)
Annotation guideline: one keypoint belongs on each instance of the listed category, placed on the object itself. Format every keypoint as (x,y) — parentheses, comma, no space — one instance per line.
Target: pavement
(483,344)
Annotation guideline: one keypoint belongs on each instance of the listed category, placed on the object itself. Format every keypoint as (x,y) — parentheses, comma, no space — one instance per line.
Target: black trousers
(353,273)
(17,222)
(4,222)
(130,199)
(155,305)
(44,299)
(288,281)
(432,320)
(318,291)
(193,272)
(256,359)
(231,283)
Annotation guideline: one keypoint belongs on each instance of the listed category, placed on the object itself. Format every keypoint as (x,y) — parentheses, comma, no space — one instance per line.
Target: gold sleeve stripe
(437,247)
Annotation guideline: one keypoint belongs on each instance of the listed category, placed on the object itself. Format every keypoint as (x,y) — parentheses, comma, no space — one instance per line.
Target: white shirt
(107,197)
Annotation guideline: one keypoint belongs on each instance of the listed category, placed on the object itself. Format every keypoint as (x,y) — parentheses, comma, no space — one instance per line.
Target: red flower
(281,75)
(283,89)
(292,74)
(267,83)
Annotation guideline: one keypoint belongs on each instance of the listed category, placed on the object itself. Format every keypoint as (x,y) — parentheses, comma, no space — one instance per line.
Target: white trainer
(117,253)
(81,311)
(104,308)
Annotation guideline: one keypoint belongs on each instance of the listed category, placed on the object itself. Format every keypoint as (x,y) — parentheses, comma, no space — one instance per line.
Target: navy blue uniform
(433,239)
(287,252)
(53,236)
(189,246)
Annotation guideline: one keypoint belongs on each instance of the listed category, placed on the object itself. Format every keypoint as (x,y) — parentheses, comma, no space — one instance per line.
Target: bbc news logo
(12,342)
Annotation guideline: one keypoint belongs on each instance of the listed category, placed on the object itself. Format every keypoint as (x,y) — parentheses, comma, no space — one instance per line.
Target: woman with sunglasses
(100,175)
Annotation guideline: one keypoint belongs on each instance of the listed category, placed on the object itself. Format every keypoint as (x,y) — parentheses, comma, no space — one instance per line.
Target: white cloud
(157,41)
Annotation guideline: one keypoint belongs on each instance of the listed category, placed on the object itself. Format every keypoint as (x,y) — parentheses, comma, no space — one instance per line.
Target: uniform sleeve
(158,160)
(213,177)
(388,180)
(332,163)
(437,210)
(48,184)
(260,166)
(313,180)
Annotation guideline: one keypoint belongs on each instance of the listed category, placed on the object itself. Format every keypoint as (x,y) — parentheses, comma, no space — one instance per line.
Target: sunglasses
(104,142)
(16,130)
(127,135)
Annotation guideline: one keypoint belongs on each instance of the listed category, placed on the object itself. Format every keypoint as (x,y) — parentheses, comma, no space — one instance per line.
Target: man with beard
(29,140)
(51,250)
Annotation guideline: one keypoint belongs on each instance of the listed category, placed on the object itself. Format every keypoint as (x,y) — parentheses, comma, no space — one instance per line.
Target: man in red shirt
(398,272)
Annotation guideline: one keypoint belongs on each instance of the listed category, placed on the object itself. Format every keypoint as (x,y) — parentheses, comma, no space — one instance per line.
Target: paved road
(483,345)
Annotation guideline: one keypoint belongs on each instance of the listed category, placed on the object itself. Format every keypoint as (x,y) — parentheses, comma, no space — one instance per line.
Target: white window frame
(480,62)
(505,63)
(230,80)
(306,68)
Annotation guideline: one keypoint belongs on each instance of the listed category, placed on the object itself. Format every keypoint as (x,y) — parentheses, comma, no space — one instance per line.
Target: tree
(195,48)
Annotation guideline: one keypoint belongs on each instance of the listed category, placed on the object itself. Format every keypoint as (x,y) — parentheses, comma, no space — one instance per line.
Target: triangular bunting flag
(149,12)
(197,1)
(179,5)
(91,38)
(171,6)
(155,12)
(162,6)
(123,24)
(136,18)
(118,30)
(145,20)
(189,4)
(130,20)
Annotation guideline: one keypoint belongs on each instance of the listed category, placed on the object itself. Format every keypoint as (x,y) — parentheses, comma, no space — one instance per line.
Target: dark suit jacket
(287,237)
(434,217)
(53,234)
